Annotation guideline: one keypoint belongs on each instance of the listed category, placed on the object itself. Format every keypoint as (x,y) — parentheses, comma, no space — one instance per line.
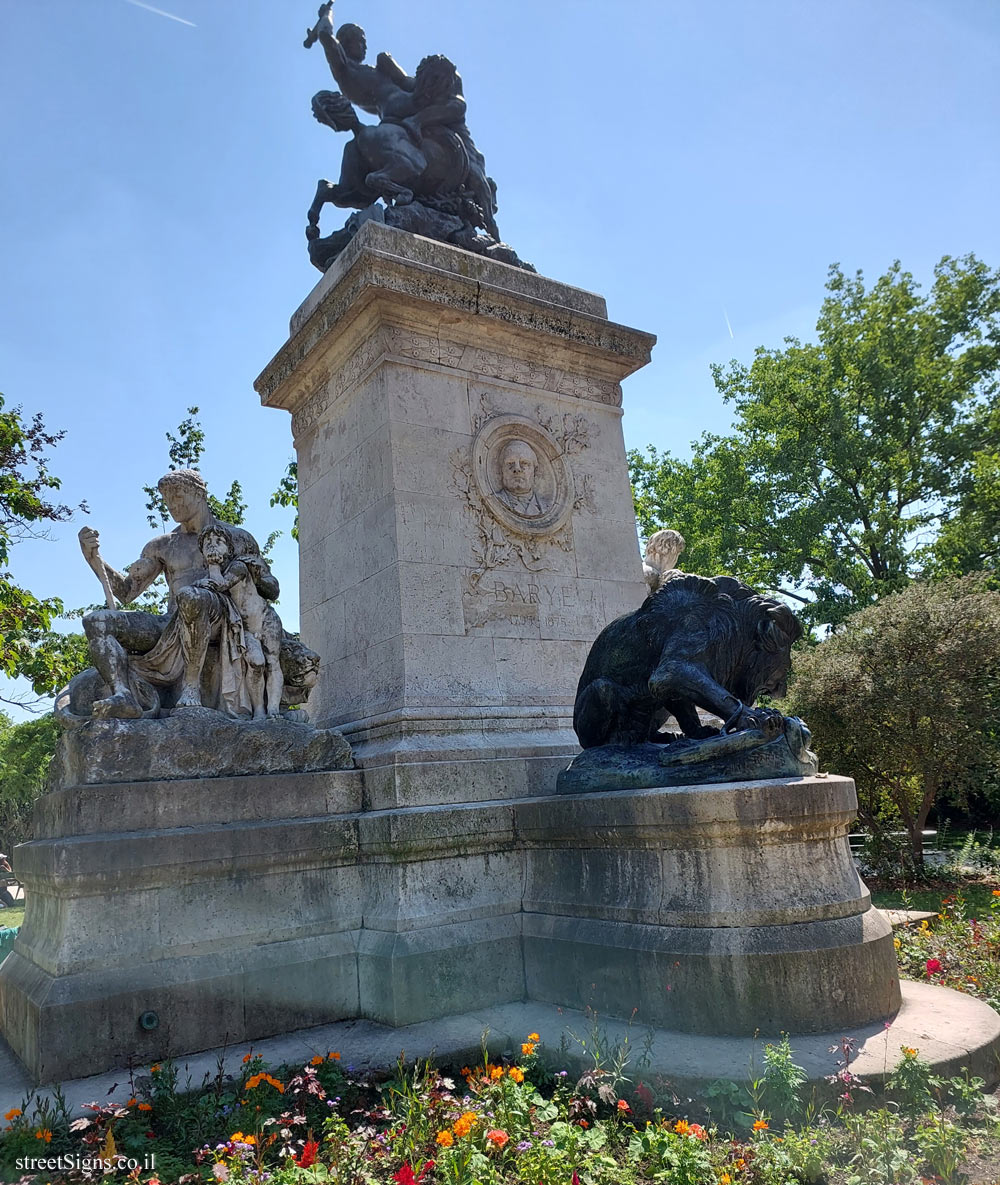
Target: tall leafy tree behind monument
(29,647)
(856,461)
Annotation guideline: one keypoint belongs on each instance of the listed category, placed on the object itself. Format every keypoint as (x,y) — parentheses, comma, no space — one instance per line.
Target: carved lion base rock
(193,743)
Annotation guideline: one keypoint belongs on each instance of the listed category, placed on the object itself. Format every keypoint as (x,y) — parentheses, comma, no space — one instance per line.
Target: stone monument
(210,867)
(174,892)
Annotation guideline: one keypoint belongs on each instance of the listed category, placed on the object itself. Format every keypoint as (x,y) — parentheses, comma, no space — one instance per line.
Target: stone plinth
(228,907)
(236,908)
(453,614)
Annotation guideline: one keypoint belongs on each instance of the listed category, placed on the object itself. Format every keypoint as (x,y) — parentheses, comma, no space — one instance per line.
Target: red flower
(308,1157)
(933,966)
(406,1175)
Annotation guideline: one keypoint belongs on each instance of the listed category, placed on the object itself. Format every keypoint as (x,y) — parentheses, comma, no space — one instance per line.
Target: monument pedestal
(453,613)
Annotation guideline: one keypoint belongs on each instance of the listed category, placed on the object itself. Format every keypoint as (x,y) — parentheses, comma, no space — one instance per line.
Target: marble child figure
(249,648)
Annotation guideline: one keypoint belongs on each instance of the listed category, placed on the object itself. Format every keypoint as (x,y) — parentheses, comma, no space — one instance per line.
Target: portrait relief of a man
(518,467)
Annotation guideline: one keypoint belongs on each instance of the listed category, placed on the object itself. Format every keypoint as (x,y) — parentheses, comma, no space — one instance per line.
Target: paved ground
(948,1028)
(907,917)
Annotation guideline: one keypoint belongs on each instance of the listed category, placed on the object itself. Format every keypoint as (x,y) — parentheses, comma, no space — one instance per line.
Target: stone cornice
(435,290)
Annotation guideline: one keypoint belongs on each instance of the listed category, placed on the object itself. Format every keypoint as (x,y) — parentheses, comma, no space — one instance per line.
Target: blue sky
(691,161)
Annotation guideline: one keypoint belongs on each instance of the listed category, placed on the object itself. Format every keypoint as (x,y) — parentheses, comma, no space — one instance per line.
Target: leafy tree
(905,699)
(25,752)
(185,451)
(849,454)
(28,645)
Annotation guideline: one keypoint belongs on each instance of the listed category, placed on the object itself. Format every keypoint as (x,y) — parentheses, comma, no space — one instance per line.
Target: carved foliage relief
(519,491)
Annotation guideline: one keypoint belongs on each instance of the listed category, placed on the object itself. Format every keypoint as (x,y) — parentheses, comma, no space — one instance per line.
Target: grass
(978,898)
(12,916)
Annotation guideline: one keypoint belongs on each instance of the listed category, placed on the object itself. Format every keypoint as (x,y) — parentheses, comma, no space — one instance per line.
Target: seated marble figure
(148,663)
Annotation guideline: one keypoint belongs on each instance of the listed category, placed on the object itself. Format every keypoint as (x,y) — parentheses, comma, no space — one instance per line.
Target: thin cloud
(726,315)
(160,12)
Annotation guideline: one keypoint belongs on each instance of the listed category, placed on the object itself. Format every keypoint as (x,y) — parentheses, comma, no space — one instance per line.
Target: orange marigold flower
(445,1138)
(516,1073)
(155,1069)
(534,1037)
(334,1057)
(527,1049)
(584,1123)
(760,1125)
(43,1133)
(464,1124)
(497,1137)
(145,1106)
(908,1051)
(996,892)
(317,1060)
(496,1073)
(682,1127)
(247,1057)
(13,1113)
(741,1163)
(725,1179)
(465,1072)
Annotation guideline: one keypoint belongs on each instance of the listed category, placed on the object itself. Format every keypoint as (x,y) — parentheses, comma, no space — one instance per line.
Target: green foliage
(881,1153)
(287,494)
(783,1080)
(25,752)
(942,1145)
(960,951)
(913,1083)
(28,645)
(905,699)
(848,454)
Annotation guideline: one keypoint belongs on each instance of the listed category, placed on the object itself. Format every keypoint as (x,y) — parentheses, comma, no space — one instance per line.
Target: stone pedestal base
(166,917)
(234,908)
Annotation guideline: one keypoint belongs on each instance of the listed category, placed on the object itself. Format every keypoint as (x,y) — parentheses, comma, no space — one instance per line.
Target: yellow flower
(527,1049)
(237,1138)
(725,1179)
(534,1037)
(682,1127)
(13,1113)
(896,943)
(908,1052)
(317,1061)
(516,1073)
(496,1073)
(760,1125)
(445,1138)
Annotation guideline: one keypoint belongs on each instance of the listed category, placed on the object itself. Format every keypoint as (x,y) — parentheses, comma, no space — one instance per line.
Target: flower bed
(515,1121)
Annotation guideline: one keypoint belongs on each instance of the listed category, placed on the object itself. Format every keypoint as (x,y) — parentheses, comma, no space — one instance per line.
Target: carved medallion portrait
(522,475)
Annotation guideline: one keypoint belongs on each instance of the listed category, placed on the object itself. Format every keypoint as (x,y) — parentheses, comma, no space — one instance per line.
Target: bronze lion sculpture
(695,643)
